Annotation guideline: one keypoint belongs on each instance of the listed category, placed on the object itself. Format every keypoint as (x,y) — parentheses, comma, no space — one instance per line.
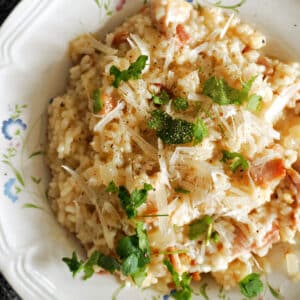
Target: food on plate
(175,150)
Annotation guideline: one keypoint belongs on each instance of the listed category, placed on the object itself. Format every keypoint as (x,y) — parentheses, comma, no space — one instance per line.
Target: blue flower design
(8,190)
(11,128)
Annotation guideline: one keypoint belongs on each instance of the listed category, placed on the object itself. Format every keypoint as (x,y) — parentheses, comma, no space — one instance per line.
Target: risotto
(176,148)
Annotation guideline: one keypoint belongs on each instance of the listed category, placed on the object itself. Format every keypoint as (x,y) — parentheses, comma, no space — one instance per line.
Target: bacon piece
(119,38)
(182,34)
(268,172)
(196,276)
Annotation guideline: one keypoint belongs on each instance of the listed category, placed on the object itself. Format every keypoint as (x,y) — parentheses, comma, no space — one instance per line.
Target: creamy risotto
(175,150)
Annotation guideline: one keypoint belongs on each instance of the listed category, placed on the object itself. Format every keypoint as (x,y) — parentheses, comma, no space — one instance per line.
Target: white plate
(33,69)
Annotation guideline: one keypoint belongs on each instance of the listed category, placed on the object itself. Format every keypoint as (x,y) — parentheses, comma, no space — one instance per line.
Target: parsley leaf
(254,103)
(176,131)
(200,131)
(203,291)
(130,202)
(238,161)
(200,227)
(135,253)
(161,99)
(223,94)
(89,265)
(183,288)
(251,286)
(180,104)
(112,188)
(97,102)
(182,191)
(74,264)
(133,72)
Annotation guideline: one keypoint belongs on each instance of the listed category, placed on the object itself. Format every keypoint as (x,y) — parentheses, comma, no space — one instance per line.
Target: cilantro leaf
(200,131)
(133,72)
(108,263)
(175,275)
(180,104)
(90,263)
(74,264)
(130,265)
(251,286)
(200,227)
(112,188)
(203,291)
(254,103)
(130,202)
(161,99)
(142,238)
(139,276)
(126,246)
(223,94)
(238,161)
(97,102)
(182,191)
(169,130)
(183,288)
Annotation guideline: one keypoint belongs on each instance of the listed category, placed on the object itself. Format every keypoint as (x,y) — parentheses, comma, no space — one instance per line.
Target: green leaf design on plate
(15,171)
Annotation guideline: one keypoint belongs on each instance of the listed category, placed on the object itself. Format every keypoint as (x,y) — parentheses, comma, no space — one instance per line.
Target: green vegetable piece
(97,102)
(139,277)
(181,190)
(130,202)
(169,130)
(232,7)
(175,275)
(180,104)
(74,264)
(200,227)
(275,293)
(223,94)
(130,265)
(142,238)
(127,245)
(251,286)
(200,131)
(90,263)
(162,99)
(215,237)
(108,263)
(254,103)
(183,288)
(133,72)
(238,161)
(203,291)
(112,188)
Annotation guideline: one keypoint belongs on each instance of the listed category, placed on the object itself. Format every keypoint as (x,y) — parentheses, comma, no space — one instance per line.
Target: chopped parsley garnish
(97,259)
(251,286)
(200,131)
(203,291)
(133,72)
(176,131)
(182,191)
(134,254)
(183,289)
(254,103)
(202,227)
(180,104)
(130,202)
(112,188)
(220,92)
(74,264)
(97,102)
(162,99)
(238,161)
